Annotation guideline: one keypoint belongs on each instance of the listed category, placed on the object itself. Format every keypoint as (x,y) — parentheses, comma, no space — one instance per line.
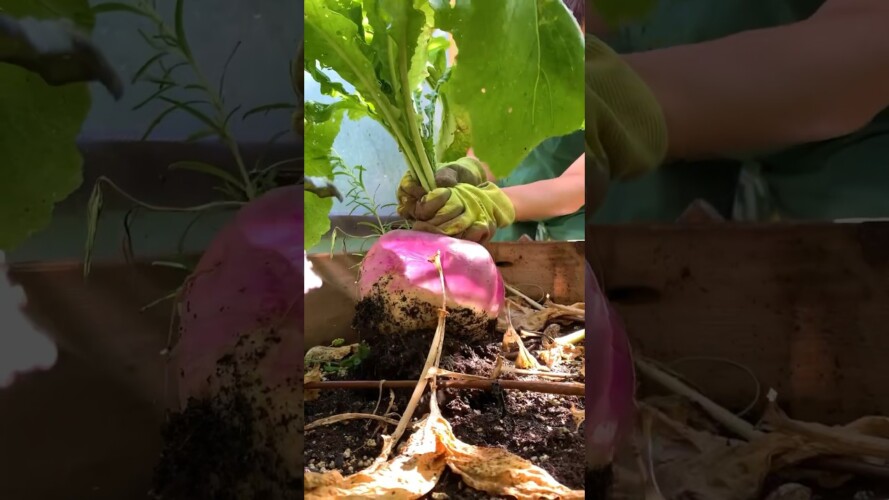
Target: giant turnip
(238,433)
(611,383)
(401,289)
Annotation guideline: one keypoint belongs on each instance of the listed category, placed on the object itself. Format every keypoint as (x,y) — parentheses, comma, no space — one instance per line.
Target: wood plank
(105,396)
(804,306)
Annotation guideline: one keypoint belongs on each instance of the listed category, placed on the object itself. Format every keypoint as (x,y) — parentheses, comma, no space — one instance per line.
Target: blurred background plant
(46,60)
(174,67)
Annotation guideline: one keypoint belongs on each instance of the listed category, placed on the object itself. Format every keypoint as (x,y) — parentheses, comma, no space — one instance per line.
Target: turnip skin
(610,378)
(239,361)
(248,279)
(397,276)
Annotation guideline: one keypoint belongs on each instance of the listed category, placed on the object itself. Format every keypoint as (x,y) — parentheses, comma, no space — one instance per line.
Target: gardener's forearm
(813,80)
(550,198)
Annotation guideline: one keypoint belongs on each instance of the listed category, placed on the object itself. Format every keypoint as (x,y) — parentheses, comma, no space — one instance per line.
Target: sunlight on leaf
(541,47)
(38,129)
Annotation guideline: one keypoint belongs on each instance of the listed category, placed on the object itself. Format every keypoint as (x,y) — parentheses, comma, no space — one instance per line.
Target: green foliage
(519,75)
(358,197)
(518,81)
(322,123)
(342,366)
(39,125)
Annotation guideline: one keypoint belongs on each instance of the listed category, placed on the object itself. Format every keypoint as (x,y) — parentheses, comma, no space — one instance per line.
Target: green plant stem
(218,107)
(158,208)
(385,109)
(249,187)
(425,170)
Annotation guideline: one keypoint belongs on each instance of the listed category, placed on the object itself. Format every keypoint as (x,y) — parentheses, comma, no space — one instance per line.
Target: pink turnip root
(239,360)
(401,291)
(610,378)
(248,279)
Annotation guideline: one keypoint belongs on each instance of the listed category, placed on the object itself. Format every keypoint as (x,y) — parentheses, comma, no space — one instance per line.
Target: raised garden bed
(537,426)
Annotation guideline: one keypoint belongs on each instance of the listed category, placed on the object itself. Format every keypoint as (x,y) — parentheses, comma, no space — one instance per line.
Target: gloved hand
(625,129)
(465,170)
(464,211)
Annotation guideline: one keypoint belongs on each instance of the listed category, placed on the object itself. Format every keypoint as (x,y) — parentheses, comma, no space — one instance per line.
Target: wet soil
(537,427)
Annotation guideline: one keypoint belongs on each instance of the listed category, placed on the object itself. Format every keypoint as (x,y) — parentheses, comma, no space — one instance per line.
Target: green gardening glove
(465,170)
(464,211)
(626,134)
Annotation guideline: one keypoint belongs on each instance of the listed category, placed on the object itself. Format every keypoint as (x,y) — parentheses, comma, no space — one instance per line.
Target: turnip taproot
(611,379)
(239,361)
(400,287)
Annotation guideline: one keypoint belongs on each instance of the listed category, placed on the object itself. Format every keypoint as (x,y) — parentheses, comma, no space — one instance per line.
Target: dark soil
(230,447)
(537,427)
(372,315)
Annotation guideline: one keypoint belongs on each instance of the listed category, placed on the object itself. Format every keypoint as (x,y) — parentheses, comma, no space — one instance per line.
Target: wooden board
(88,427)
(805,307)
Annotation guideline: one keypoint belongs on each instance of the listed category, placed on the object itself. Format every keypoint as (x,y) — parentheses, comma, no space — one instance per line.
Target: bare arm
(817,79)
(550,198)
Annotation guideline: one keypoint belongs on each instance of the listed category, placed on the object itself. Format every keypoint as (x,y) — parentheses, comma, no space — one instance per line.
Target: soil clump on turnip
(371,315)
(224,446)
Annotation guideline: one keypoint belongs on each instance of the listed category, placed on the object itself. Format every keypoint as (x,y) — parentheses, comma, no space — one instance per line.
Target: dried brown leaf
(416,470)
(537,320)
(578,416)
(525,359)
(498,472)
(691,463)
(312,375)
(409,475)
(327,354)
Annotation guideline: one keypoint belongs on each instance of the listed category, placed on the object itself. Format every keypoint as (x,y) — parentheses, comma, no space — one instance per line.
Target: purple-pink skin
(610,390)
(249,279)
(399,262)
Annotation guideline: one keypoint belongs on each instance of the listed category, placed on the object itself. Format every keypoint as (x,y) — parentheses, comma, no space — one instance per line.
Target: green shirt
(846,177)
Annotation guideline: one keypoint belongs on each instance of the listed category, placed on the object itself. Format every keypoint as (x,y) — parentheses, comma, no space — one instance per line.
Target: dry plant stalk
(432,361)
(572,338)
(510,338)
(348,416)
(701,464)
(533,303)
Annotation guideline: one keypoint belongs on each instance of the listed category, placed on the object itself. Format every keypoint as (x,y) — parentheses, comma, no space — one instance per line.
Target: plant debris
(695,449)
(472,443)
